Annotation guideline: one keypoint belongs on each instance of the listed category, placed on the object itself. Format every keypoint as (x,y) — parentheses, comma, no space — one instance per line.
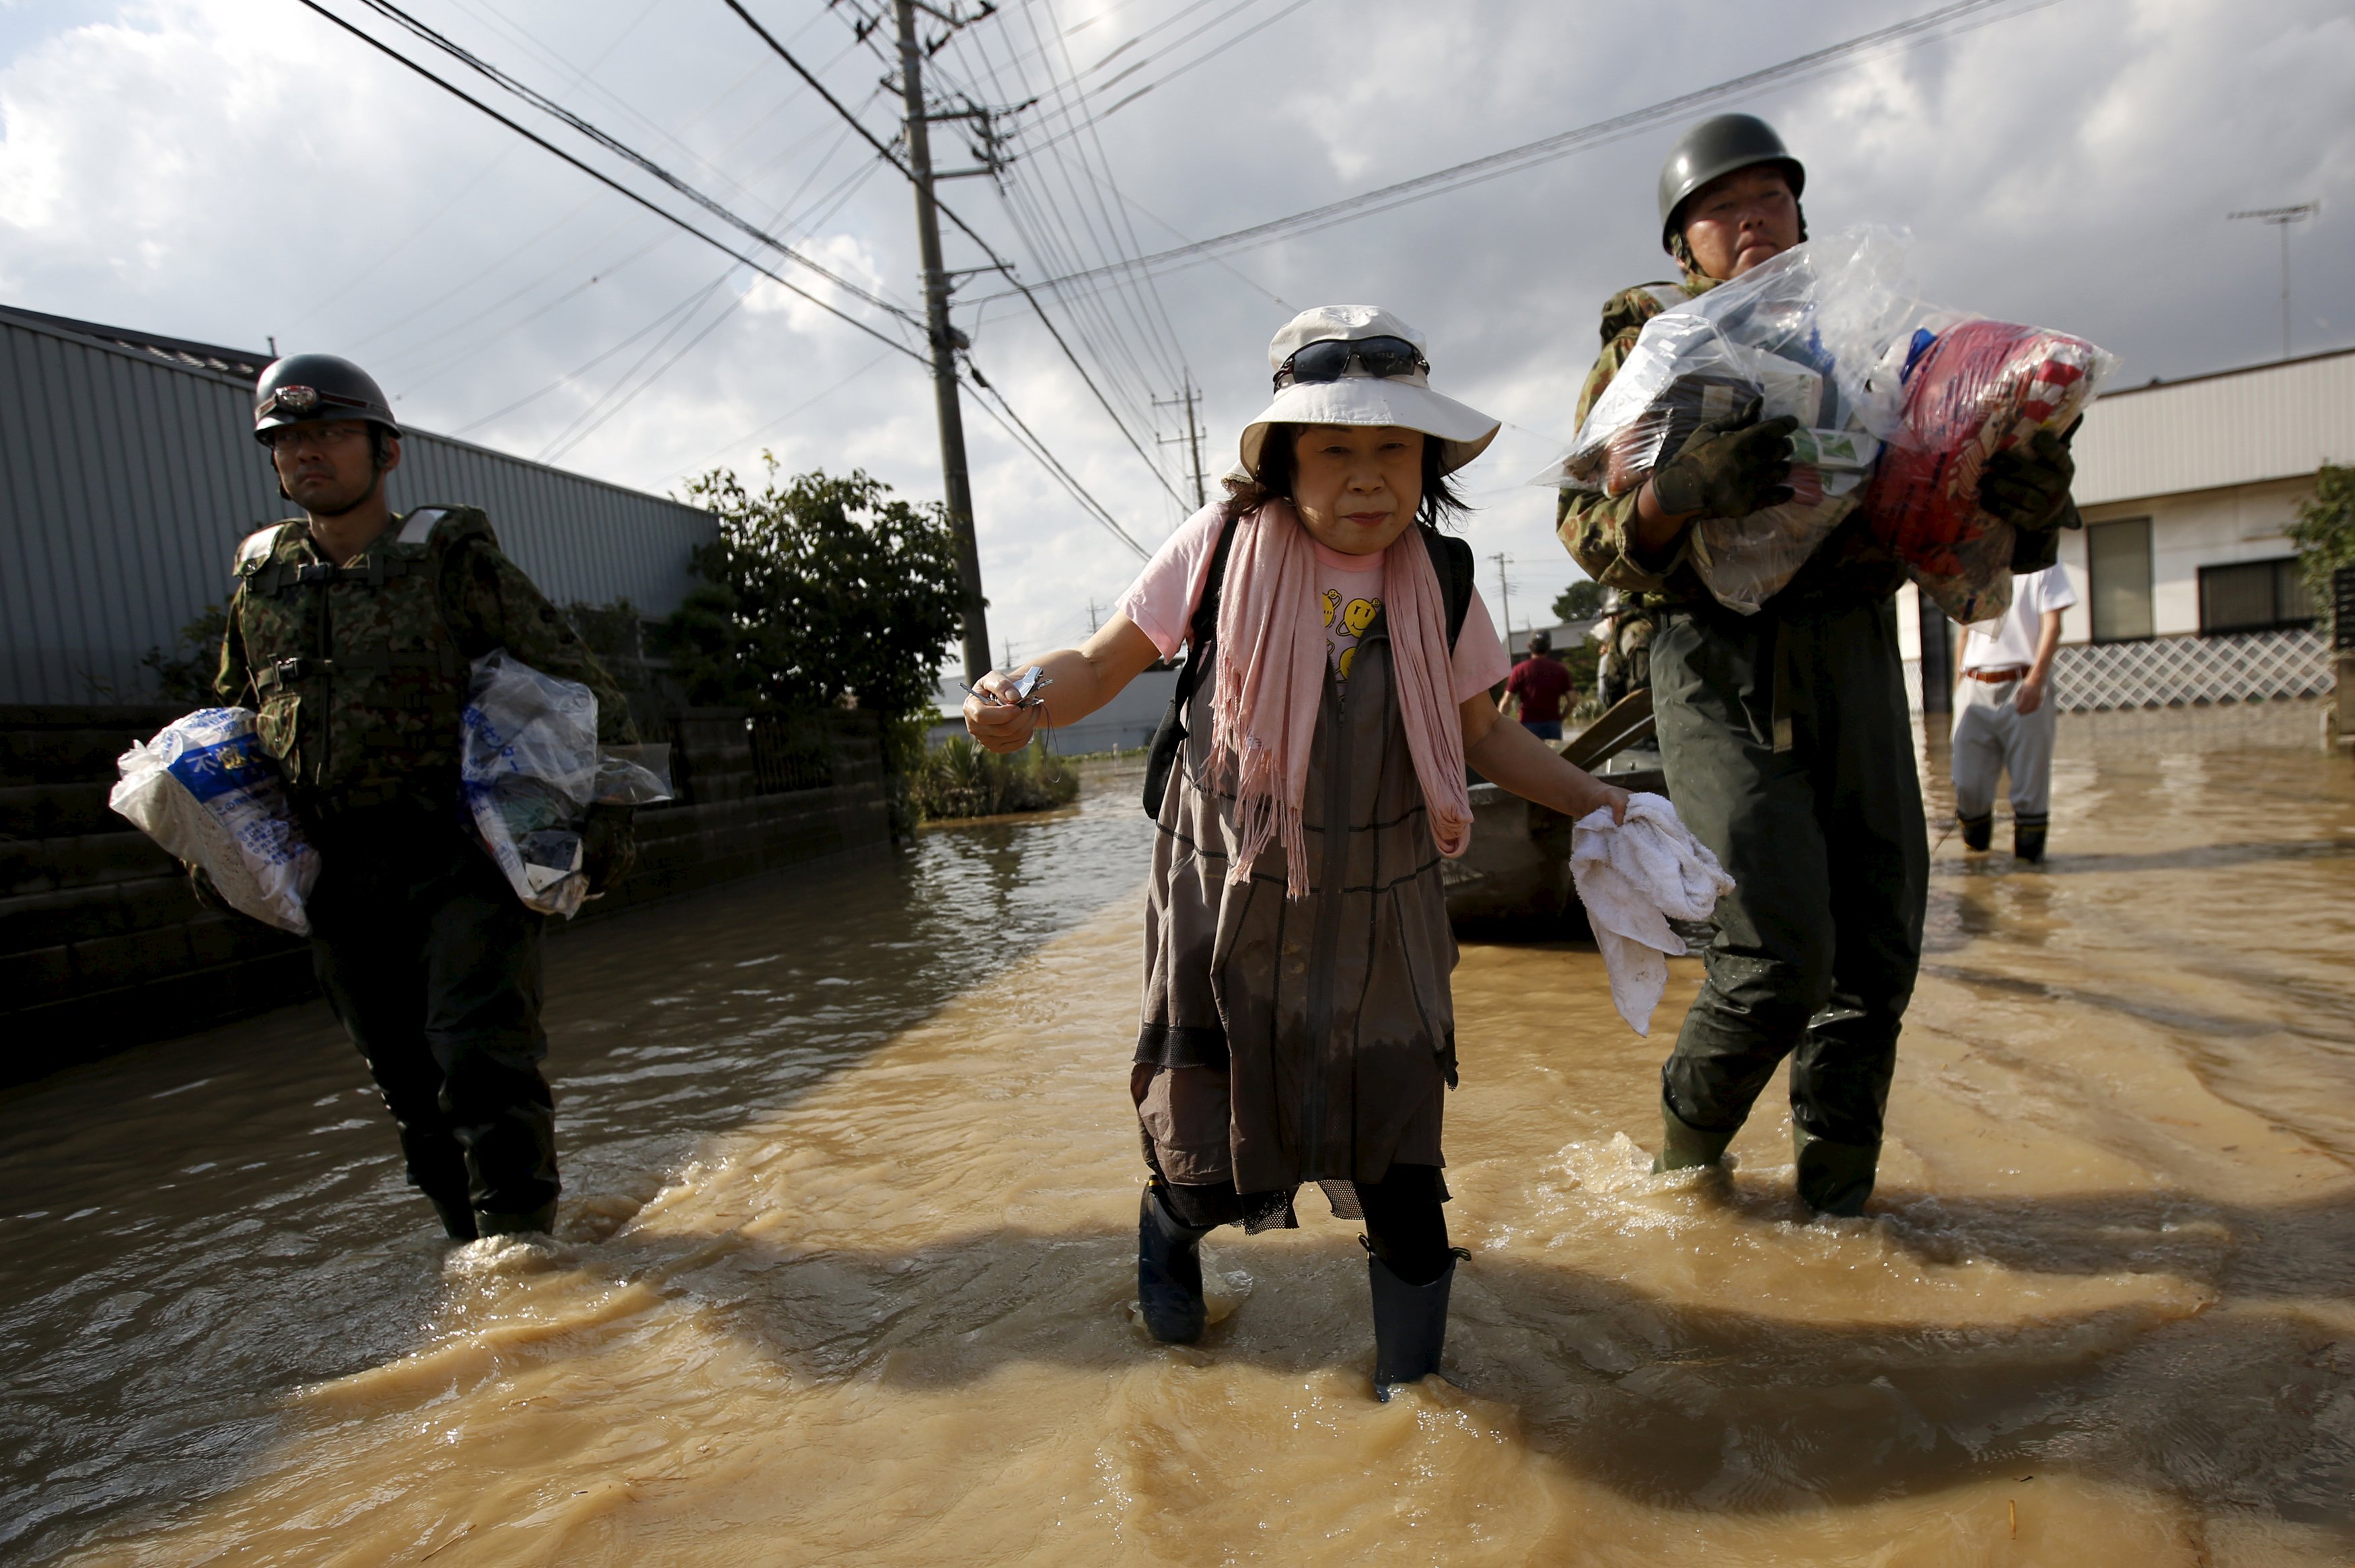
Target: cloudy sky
(239,170)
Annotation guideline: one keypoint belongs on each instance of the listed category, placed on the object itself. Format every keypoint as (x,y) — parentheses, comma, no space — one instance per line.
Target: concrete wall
(2187,531)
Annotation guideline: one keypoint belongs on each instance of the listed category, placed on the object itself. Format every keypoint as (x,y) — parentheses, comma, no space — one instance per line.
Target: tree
(1582,600)
(824,592)
(2324,534)
(186,675)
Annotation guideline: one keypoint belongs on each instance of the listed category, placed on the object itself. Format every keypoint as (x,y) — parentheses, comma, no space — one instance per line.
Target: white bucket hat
(1360,398)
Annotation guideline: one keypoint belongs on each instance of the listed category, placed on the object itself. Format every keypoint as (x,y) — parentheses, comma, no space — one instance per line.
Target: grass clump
(958,778)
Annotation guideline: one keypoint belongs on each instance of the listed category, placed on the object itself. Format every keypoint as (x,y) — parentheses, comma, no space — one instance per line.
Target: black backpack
(1450,558)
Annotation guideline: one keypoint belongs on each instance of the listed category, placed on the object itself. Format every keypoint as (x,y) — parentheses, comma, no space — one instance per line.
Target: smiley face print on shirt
(1352,599)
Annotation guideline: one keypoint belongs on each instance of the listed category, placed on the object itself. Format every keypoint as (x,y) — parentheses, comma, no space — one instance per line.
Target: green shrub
(959,778)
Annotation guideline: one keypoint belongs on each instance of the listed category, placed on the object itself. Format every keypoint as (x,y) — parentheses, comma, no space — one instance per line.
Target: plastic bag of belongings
(205,789)
(530,769)
(1826,333)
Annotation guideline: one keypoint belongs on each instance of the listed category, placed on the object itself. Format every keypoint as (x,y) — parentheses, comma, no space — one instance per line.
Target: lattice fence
(2174,672)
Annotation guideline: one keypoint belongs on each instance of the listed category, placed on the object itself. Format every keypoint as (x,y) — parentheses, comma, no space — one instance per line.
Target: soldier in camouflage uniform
(1627,664)
(1784,734)
(350,634)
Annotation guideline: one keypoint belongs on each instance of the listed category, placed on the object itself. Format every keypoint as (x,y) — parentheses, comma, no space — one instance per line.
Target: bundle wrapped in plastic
(529,769)
(205,789)
(1971,388)
(1773,335)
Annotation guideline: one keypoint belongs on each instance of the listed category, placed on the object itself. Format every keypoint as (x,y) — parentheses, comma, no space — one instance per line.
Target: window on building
(2253,596)
(2117,566)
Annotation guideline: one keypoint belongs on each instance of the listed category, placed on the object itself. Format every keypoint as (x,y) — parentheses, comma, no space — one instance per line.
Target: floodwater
(847,1250)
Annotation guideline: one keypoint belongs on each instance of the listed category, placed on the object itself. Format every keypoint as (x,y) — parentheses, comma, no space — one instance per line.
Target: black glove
(208,896)
(609,846)
(2028,487)
(1729,468)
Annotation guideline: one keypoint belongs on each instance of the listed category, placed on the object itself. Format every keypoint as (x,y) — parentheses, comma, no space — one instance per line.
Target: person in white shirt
(2004,717)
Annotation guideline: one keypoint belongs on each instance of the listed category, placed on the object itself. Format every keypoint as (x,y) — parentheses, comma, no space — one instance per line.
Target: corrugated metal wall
(2275,422)
(127,482)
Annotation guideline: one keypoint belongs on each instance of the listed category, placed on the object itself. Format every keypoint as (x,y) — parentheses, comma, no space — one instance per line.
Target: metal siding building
(129,473)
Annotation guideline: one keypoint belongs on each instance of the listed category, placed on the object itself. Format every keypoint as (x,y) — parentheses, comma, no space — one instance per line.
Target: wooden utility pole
(1189,396)
(945,341)
(1505,603)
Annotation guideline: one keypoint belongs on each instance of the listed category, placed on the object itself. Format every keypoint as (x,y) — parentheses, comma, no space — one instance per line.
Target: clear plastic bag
(1972,387)
(1802,334)
(205,789)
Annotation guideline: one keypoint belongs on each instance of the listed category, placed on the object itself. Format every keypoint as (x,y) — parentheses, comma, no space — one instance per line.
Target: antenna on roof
(273,347)
(2281,218)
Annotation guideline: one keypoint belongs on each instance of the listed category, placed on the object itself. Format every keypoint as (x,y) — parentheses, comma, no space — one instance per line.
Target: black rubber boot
(1685,1148)
(2027,839)
(1169,1271)
(1978,833)
(1833,1178)
(457,1218)
(1410,1325)
(539,1221)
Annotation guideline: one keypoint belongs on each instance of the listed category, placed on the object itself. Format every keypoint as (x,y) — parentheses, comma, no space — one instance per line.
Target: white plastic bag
(205,789)
(530,769)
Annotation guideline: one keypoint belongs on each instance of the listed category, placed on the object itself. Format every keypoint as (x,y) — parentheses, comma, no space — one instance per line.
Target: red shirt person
(1543,687)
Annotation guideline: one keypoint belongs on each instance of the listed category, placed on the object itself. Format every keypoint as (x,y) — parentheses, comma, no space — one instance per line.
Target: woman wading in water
(1297,1023)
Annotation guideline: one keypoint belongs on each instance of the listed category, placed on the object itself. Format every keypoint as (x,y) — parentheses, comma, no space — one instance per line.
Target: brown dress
(1313,1040)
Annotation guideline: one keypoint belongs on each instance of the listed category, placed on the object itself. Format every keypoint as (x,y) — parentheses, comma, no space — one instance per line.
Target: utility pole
(2280,218)
(945,341)
(1505,589)
(1192,437)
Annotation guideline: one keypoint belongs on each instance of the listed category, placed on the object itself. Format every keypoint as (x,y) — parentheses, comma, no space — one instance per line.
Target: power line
(1029,440)
(1213,52)
(1455,176)
(600,177)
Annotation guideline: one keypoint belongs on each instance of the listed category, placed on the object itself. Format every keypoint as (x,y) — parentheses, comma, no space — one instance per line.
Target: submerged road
(847,1253)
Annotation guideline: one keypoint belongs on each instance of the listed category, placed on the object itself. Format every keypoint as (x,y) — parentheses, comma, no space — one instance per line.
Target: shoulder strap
(1202,631)
(1452,559)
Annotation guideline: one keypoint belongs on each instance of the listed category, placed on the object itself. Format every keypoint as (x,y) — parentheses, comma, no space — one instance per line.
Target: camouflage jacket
(1594,527)
(359,672)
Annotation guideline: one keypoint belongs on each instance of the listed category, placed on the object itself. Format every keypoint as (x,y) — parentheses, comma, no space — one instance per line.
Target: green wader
(1788,749)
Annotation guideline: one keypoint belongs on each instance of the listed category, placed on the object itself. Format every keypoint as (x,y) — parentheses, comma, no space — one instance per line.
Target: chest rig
(357,676)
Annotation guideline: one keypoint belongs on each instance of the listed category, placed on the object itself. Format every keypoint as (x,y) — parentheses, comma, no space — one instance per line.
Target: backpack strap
(1452,559)
(1201,639)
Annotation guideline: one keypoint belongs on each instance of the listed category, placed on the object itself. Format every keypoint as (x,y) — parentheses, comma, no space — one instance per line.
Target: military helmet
(311,388)
(1718,145)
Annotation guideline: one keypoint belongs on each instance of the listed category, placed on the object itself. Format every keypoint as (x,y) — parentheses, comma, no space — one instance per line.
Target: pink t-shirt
(1161,602)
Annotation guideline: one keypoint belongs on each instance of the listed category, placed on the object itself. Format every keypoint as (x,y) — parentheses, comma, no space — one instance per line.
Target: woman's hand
(996,715)
(1589,794)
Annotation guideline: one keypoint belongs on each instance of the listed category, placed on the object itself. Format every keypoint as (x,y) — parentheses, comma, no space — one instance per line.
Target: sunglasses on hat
(1329,360)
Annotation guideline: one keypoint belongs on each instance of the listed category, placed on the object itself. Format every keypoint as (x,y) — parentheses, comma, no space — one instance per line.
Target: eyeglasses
(1329,360)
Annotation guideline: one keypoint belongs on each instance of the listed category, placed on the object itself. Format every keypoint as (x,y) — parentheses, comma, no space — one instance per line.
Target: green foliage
(1582,657)
(186,675)
(615,633)
(2325,533)
(819,592)
(1582,600)
(959,778)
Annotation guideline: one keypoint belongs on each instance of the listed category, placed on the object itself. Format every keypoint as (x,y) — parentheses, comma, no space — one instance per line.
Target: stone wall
(102,946)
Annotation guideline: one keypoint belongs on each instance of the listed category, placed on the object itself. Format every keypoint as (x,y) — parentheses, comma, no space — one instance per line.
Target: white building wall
(2203,528)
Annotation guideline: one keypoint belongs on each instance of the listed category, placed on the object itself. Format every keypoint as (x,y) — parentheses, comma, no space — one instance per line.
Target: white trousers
(1991,738)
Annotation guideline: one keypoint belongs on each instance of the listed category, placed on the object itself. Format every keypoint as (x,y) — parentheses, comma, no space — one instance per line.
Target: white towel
(1632,877)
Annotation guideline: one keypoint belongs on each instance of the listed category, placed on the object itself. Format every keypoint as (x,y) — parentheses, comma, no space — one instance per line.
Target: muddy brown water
(847,1255)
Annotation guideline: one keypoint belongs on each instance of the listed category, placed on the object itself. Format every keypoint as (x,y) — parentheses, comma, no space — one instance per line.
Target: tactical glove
(208,894)
(2028,487)
(1730,467)
(609,846)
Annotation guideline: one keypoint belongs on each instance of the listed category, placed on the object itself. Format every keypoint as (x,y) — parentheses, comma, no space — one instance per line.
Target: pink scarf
(1270,683)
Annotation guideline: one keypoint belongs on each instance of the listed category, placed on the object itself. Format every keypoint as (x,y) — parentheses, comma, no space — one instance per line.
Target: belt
(2003,677)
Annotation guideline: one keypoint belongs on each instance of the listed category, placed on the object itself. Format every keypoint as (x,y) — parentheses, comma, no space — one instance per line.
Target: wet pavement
(851,1187)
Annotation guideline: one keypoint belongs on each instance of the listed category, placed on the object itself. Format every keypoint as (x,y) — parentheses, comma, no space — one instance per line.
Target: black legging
(1404,1217)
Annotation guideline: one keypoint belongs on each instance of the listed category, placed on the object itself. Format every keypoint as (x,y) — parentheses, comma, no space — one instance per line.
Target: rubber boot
(2027,839)
(1687,1147)
(1409,1324)
(1978,833)
(457,1218)
(539,1221)
(1833,1178)
(1169,1271)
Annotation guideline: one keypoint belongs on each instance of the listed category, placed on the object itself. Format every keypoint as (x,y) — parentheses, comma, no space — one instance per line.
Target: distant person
(1542,687)
(2004,717)
(1298,1025)
(1624,665)
(1784,734)
(350,634)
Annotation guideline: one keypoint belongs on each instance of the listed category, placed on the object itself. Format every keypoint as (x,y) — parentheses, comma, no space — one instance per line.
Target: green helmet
(1717,147)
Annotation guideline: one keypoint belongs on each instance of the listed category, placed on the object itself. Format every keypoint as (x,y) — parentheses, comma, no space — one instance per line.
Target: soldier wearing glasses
(350,635)
(1786,735)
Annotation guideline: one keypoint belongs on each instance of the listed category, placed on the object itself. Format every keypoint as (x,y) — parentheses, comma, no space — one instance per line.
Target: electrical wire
(794,412)
(604,179)
(1457,177)
(1027,439)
